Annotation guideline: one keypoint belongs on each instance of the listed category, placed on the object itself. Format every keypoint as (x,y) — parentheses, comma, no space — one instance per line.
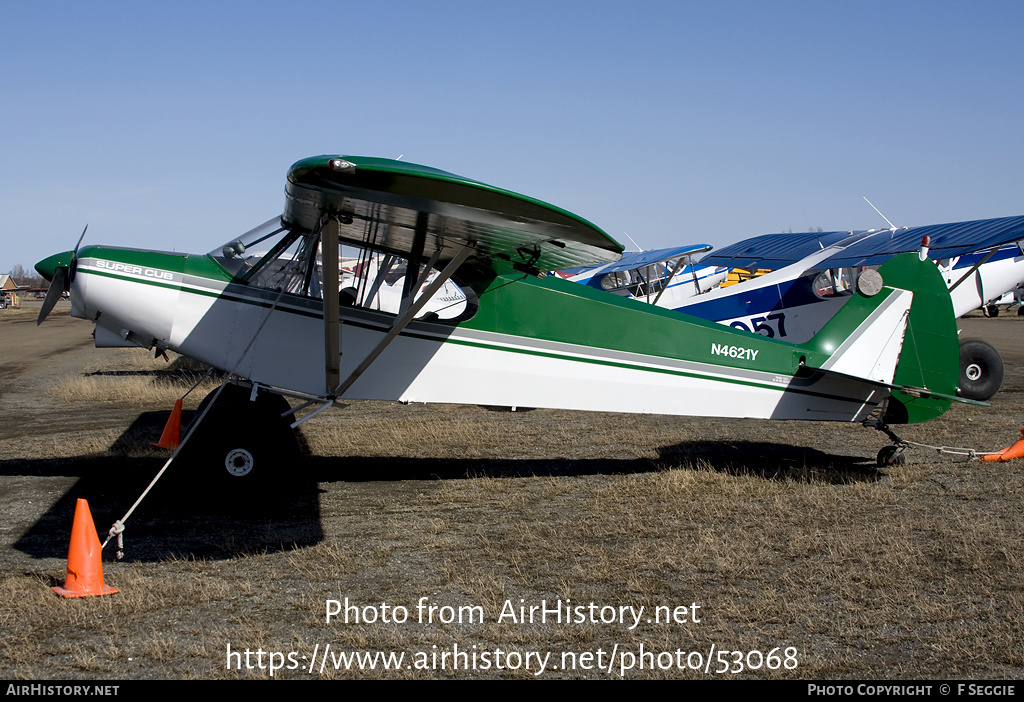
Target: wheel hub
(239,462)
(973,371)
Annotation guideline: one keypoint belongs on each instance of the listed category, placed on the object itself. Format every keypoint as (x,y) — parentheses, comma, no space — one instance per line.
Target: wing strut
(332,303)
(402,321)
(975,267)
(675,269)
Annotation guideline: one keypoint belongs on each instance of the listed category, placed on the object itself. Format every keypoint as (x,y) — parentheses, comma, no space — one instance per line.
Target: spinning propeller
(59,274)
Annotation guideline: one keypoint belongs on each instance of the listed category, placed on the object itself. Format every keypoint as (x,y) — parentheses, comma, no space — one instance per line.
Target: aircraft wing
(947,241)
(774,251)
(407,208)
(639,259)
(869,248)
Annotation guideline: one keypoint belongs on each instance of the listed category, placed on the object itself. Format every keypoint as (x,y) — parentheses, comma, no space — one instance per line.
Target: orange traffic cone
(85,568)
(172,430)
(1015,451)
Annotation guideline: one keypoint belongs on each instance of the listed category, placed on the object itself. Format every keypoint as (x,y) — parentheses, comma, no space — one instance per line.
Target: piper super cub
(296,308)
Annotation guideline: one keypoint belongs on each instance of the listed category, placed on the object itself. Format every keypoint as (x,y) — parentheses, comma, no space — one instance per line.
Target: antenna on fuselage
(626,234)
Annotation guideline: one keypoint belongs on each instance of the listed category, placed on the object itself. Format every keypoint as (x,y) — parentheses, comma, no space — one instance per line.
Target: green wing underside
(407,208)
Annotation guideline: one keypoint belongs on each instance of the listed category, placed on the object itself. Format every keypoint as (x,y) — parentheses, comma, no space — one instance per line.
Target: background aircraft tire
(981,370)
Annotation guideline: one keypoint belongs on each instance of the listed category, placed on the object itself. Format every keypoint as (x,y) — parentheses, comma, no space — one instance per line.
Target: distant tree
(28,277)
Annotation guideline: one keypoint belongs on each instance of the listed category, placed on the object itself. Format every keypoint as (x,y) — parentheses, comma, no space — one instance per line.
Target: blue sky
(171,125)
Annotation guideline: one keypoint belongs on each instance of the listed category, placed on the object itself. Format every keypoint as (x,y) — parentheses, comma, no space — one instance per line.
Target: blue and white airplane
(662,277)
(813,275)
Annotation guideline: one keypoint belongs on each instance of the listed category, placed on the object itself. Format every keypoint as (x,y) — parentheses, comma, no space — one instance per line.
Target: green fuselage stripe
(440,338)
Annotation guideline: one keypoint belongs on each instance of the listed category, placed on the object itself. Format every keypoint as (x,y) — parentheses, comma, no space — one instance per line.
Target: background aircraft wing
(407,208)
(773,251)
(868,248)
(947,241)
(639,259)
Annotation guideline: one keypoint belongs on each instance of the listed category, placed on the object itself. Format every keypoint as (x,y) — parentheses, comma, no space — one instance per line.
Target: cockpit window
(293,265)
(239,255)
(642,281)
(275,257)
(377,281)
(833,282)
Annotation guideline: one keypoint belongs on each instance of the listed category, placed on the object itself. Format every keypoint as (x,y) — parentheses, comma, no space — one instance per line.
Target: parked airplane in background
(812,275)
(663,277)
(980,261)
(283,324)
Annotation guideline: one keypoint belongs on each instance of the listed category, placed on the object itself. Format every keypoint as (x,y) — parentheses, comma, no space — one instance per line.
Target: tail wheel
(892,456)
(981,370)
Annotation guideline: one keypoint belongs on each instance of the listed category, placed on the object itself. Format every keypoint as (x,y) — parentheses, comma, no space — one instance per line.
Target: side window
(294,269)
(275,257)
(376,280)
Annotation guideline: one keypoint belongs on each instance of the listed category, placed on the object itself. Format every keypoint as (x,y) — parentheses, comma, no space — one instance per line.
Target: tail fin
(903,337)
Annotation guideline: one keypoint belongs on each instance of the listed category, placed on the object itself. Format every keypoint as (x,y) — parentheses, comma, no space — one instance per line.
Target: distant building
(8,291)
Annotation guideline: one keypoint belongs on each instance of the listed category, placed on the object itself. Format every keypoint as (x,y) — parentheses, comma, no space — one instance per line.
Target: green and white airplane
(270,309)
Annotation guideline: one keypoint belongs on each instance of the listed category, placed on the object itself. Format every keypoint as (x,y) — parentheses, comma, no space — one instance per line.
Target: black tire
(981,370)
(1020,310)
(990,311)
(892,456)
(242,445)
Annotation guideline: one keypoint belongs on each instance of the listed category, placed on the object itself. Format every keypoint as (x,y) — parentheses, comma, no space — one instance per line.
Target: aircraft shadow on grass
(187,516)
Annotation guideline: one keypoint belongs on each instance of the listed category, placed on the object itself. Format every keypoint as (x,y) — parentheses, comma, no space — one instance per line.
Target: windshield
(243,252)
(642,281)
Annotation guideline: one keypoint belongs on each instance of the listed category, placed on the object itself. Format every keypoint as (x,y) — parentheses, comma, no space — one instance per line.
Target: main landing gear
(241,442)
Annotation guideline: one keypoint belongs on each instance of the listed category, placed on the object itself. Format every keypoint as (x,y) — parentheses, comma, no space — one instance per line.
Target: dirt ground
(779,545)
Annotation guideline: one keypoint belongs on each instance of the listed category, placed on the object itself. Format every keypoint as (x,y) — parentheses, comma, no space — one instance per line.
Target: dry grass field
(775,550)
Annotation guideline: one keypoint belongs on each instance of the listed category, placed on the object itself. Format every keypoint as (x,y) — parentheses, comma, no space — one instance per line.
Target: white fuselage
(276,339)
